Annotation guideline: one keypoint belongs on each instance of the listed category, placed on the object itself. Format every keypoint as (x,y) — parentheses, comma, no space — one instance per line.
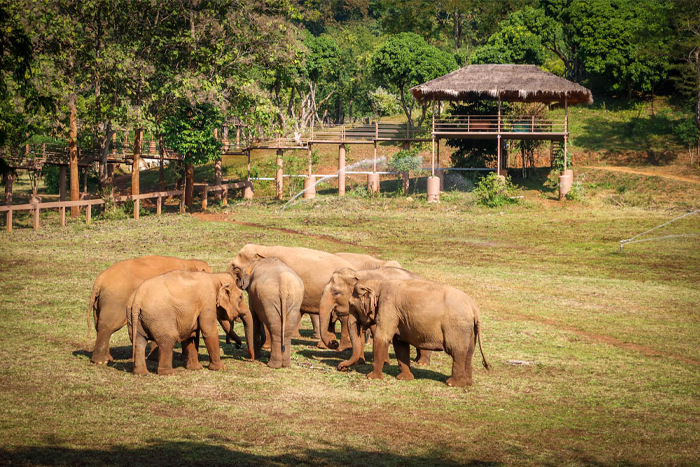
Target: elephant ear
(368,301)
(259,256)
(223,301)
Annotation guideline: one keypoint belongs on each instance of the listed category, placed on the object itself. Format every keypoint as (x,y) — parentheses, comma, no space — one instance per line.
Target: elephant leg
(210,333)
(403,355)
(259,336)
(275,360)
(380,349)
(139,353)
(292,321)
(316,324)
(267,345)
(230,333)
(385,357)
(295,332)
(100,353)
(345,343)
(190,354)
(358,345)
(459,360)
(165,360)
(423,356)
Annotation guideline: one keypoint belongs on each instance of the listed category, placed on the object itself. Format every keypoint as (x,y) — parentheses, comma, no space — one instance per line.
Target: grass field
(611,340)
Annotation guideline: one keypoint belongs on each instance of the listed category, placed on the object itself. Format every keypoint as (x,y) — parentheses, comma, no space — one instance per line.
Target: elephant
(172,307)
(275,293)
(425,314)
(313,267)
(336,299)
(362,262)
(114,286)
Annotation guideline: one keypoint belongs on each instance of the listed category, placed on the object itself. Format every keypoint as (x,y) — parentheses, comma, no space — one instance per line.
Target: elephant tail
(477,334)
(92,307)
(133,310)
(283,317)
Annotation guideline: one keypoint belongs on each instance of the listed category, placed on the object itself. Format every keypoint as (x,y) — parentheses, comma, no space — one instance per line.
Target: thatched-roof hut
(510,83)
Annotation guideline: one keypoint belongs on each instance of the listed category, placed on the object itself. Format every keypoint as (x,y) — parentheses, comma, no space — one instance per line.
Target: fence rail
(494,124)
(89,203)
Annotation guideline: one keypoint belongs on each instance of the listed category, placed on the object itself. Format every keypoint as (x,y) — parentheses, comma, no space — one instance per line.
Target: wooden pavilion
(509,83)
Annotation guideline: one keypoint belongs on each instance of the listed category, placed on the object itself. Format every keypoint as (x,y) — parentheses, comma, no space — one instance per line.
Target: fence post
(8,220)
(279,175)
(62,212)
(224,197)
(88,213)
(159,204)
(35,202)
(204,197)
(137,208)
(182,202)
(341,170)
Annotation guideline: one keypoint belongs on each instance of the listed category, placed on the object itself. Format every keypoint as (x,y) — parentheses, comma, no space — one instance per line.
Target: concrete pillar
(433,189)
(310,187)
(566,181)
(341,170)
(279,176)
(248,190)
(373,183)
(62,183)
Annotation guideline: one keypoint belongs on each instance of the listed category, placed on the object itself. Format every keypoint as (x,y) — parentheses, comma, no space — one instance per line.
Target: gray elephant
(425,314)
(275,293)
(172,307)
(313,267)
(362,262)
(336,299)
(114,286)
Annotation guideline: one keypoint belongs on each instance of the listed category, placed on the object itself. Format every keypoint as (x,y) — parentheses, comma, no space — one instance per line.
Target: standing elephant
(426,314)
(114,286)
(313,267)
(336,299)
(275,293)
(361,262)
(172,307)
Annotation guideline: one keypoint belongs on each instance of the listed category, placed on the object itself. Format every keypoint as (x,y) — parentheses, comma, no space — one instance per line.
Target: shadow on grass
(168,453)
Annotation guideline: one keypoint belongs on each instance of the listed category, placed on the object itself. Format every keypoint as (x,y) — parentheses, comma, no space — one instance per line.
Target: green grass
(613,337)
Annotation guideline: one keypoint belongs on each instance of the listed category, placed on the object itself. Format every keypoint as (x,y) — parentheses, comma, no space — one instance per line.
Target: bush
(577,191)
(50,174)
(494,191)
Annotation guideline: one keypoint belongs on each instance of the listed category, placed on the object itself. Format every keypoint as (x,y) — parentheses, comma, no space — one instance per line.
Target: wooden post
(248,154)
(137,208)
(85,180)
(238,136)
(88,213)
(135,185)
(441,173)
(498,162)
(62,183)
(310,162)
(279,175)
(159,205)
(566,131)
(114,142)
(8,220)
(217,177)
(376,137)
(205,192)
(341,170)
(35,202)
(182,202)
(62,213)
(432,161)
(224,197)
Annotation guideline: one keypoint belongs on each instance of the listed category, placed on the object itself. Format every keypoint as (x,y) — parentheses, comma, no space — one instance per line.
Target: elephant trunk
(325,310)
(247,318)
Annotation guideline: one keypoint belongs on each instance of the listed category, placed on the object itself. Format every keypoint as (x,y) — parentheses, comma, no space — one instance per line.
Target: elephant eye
(336,293)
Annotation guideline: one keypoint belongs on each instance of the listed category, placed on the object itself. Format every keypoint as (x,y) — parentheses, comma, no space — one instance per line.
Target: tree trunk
(73,155)
(135,185)
(189,185)
(9,181)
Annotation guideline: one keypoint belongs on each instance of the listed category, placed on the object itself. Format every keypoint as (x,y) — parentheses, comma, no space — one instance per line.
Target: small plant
(128,208)
(577,191)
(558,164)
(404,162)
(494,191)
(360,191)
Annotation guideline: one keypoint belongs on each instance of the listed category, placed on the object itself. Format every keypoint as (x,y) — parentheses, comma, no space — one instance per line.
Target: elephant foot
(458,382)
(375,375)
(344,366)
(194,366)
(165,371)
(216,366)
(342,347)
(274,364)
(101,359)
(141,371)
(321,345)
(422,361)
(405,376)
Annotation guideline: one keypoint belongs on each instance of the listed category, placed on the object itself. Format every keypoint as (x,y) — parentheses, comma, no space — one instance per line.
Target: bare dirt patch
(646,172)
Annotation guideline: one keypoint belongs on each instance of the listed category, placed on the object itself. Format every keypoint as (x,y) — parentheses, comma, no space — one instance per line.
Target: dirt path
(643,172)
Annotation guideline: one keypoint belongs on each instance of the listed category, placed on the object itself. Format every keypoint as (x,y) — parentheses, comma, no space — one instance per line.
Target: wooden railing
(494,124)
(89,203)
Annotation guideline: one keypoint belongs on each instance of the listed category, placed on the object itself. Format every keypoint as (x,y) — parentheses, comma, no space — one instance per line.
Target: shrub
(494,191)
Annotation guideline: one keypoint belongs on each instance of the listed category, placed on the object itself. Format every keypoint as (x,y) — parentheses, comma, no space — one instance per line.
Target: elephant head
(230,305)
(245,256)
(336,298)
(365,300)
(201,266)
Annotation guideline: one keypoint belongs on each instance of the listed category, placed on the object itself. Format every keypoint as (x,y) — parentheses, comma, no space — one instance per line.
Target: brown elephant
(425,314)
(313,267)
(275,293)
(336,299)
(114,286)
(172,307)
(362,262)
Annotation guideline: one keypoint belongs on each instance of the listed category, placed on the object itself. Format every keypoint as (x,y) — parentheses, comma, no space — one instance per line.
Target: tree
(190,132)
(406,60)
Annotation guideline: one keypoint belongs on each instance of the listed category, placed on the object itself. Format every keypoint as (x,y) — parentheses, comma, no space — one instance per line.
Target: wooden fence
(89,203)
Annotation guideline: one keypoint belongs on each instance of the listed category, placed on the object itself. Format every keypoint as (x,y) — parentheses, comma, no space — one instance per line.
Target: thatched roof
(512,83)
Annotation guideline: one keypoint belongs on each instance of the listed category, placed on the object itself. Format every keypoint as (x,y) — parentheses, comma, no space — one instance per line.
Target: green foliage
(495,191)
(383,102)
(406,160)
(190,132)
(51,175)
(558,164)
(577,191)
(515,42)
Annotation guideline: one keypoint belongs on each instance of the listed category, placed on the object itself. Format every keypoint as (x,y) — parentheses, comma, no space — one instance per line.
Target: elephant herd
(167,300)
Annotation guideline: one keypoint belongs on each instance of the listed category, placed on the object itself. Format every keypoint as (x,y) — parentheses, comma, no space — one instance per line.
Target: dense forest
(79,71)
